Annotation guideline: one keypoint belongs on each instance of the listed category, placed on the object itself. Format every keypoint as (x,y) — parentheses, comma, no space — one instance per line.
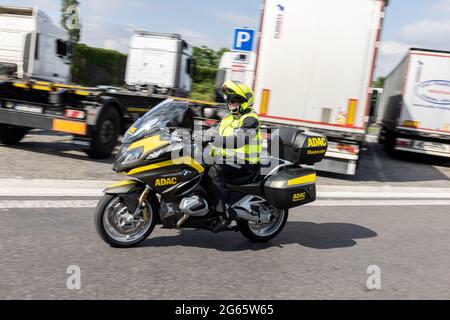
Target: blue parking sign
(243,40)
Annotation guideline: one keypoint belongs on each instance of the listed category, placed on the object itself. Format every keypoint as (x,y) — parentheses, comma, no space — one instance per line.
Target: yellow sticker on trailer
(69,126)
(264,102)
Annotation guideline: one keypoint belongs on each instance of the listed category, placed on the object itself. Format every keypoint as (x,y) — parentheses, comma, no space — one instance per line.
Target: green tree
(207,62)
(379,83)
(70,19)
(97,66)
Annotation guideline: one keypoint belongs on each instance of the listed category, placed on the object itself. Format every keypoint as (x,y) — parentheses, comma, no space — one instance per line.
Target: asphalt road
(323,253)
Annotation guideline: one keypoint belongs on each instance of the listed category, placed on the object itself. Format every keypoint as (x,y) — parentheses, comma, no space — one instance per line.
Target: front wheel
(264,232)
(116,225)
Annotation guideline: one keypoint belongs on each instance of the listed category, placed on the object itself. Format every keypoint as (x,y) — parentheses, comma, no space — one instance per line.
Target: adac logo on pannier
(165,182)
(299,196)
(317,142)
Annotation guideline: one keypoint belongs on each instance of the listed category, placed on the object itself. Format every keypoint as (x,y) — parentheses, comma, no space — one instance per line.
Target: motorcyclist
(237,148)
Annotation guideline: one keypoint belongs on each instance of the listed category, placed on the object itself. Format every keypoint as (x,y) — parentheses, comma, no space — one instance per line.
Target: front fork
(129,191)
(141,200)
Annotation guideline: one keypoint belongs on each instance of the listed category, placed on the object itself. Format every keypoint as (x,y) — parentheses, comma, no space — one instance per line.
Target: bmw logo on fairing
(186,172)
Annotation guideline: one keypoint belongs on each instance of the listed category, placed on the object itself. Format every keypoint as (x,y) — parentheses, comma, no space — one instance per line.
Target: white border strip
(377,203)
(46,204)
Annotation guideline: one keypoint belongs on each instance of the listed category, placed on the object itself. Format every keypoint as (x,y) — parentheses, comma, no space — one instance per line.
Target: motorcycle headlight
(132,155)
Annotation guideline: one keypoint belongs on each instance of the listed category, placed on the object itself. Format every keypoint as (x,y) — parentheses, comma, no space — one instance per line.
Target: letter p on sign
(243,40)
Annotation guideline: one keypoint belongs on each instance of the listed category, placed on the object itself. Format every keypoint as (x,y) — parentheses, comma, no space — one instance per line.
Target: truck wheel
(11,135)
(106,133)
(389,142)
(382,136)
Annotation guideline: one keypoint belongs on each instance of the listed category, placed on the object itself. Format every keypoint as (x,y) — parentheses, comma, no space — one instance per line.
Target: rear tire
(250,234)
(106,134)
(11,135)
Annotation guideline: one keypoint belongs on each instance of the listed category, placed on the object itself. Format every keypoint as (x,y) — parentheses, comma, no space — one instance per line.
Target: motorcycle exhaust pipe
(182,221)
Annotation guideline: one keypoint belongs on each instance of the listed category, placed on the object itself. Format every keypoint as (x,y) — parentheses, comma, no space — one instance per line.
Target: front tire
(262,233)
(110,222)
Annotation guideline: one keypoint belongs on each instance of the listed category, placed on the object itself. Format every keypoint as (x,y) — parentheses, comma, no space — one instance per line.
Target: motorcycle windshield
(159,117)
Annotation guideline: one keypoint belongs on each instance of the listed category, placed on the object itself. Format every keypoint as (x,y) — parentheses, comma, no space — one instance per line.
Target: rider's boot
(225,219)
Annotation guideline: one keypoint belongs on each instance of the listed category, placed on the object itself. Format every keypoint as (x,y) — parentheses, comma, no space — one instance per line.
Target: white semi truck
(160,63)
(315,63)
(416,104)
(31,46)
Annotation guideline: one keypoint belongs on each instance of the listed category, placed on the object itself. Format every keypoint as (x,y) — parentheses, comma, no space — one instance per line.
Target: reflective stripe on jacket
(251,151)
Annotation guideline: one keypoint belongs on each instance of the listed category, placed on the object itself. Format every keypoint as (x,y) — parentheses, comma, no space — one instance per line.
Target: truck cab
(159,63)
(31,46)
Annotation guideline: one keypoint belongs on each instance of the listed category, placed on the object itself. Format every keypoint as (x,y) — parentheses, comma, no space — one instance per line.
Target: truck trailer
(315,63)
(416,104)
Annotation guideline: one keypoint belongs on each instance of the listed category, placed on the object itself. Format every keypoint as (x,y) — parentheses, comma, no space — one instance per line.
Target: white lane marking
(50,192)
(377,203)
(47,204)
(77,204)
(382,195)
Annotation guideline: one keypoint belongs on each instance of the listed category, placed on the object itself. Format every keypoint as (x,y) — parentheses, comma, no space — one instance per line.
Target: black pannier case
(291,187)
(297,146)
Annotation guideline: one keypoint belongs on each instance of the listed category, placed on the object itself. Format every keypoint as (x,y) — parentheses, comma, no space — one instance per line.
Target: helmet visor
(234,98)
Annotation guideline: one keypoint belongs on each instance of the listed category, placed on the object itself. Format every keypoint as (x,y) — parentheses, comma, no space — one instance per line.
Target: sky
(110,23)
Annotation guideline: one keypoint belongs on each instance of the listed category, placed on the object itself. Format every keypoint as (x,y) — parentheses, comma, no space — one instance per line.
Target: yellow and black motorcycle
(166,181)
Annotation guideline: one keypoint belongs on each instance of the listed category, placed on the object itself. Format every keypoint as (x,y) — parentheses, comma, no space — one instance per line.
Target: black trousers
(221,174)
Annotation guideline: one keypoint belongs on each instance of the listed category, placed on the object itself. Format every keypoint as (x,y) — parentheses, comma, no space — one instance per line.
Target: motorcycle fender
(122,187)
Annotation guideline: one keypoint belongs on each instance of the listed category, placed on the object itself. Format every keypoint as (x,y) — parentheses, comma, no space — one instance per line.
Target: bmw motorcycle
(171,190)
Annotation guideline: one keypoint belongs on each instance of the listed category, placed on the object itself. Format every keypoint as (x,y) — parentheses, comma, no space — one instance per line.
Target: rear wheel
(11,134)
(116,225)
(105,136)
(266,231)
